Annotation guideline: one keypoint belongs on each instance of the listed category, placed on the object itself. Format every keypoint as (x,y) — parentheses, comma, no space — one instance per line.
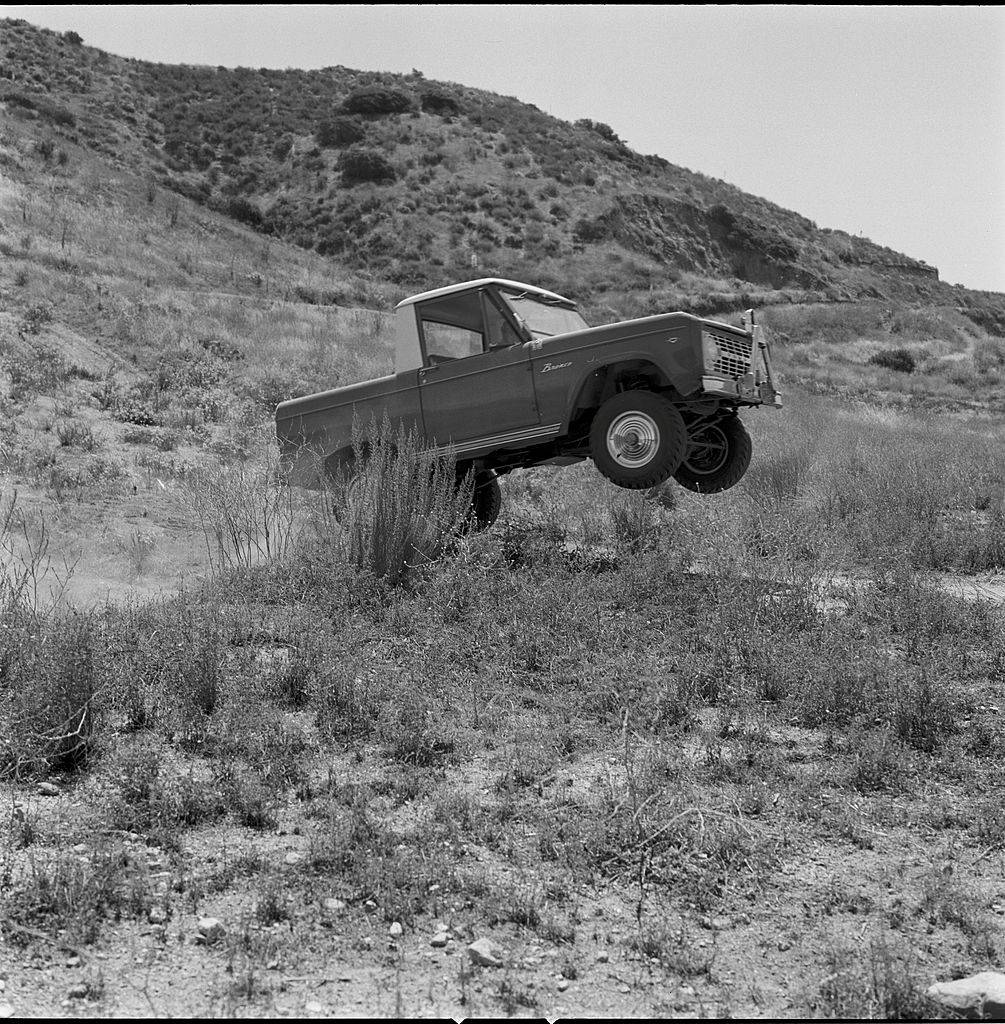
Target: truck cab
(473,345)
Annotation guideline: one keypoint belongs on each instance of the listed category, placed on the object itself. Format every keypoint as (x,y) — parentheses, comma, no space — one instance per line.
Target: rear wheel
(717,457)
(638,439)
(486,503)
(486,499)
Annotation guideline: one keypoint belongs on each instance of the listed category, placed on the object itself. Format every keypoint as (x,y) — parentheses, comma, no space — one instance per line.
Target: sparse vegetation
(652,744)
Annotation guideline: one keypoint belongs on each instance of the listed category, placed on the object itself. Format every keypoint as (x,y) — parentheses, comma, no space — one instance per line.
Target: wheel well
(635,374)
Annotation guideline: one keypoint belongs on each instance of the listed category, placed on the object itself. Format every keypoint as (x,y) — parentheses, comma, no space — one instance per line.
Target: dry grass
(676,707)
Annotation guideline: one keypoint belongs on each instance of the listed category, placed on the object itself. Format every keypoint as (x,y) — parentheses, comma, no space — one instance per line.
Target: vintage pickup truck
(509,376)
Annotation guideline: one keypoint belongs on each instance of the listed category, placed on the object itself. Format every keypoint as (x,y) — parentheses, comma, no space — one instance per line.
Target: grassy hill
(675,754)
(417,181)
(402,183)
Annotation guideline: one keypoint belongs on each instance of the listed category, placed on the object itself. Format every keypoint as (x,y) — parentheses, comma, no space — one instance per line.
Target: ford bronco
(508,376)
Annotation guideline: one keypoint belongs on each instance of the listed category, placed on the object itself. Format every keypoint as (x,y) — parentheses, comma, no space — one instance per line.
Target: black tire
(718,455)
(638,439)
(486,500)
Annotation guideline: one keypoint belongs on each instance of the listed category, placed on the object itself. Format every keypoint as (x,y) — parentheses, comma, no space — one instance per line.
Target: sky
(887,122)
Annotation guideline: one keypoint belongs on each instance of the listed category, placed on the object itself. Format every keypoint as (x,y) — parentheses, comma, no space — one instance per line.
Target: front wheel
(718,455)
(638,439)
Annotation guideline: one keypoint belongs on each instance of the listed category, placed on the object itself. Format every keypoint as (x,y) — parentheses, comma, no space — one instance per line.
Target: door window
(445,341)
(463,324)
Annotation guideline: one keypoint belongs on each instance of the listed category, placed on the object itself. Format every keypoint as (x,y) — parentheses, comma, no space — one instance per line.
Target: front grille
(734,355)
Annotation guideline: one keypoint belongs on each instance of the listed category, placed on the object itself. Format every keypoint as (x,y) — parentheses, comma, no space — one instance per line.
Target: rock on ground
(486,953)
(981,995)
(211,930)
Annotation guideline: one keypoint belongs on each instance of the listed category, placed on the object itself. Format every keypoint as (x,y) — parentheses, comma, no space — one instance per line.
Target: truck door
(476,380)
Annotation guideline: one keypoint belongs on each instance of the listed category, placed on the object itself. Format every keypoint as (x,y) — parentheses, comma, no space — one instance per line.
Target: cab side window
(445,341)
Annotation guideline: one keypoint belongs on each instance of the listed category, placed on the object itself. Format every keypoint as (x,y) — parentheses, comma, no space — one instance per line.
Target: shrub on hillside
(35,369)
(73,38)
(589,229)
(989,355)
(340,131)
(433,101)
(199,191)
(246,212)
(376,101)
(136,407)
(605,131)
(899,359)
(282,147)
(359,165)
(45,108)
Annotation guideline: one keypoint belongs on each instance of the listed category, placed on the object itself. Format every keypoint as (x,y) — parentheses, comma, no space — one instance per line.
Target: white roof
(450,289)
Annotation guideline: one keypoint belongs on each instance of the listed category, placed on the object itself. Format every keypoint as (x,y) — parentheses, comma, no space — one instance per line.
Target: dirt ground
(890,883)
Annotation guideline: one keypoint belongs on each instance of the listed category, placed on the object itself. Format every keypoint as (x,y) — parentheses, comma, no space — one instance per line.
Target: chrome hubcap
(633,439)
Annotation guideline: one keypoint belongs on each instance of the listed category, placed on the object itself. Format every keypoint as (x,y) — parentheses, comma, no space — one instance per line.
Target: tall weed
(393,511)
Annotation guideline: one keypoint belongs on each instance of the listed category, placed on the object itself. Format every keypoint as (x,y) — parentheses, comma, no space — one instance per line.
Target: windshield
(543,318)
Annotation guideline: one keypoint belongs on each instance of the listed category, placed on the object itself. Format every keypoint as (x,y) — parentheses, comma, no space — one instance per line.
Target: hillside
(667,754)
(417,182)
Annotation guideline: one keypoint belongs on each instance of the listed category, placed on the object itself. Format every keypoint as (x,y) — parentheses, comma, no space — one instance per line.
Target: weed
(515,996)
(137,546)
(674,948)
(54,711)
(249,798)
(77,435)
(271,905)
(416,734)
(347,702)
(245,517)
(35,318)
(147,797)
(75,894)
(988,823)
(879,761)
(399,513)
(944,901)
(878,982)
(633,521)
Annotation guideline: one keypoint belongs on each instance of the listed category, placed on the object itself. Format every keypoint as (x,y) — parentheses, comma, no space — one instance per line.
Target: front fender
(672,373)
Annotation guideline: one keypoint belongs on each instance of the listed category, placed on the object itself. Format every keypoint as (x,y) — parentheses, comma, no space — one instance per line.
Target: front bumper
(743,390)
